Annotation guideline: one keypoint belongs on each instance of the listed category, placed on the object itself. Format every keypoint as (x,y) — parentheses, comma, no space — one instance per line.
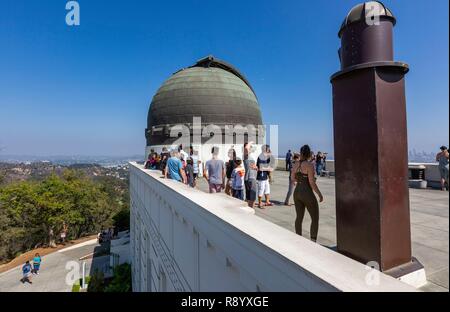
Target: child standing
(237,180)
(36,263)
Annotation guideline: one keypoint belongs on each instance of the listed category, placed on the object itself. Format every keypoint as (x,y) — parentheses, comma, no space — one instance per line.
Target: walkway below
(429,224)
(53,271)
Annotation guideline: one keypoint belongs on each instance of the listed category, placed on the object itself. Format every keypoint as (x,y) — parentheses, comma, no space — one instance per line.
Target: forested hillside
(33,212)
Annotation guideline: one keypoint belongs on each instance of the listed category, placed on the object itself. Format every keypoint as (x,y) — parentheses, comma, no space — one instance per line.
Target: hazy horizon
(24,157)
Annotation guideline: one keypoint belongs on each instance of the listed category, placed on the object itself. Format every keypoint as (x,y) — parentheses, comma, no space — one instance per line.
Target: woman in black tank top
(303,173)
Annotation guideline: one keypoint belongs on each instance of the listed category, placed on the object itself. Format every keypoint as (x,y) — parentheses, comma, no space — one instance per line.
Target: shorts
(215,188)
(263,187)
(251,189)
(444,173)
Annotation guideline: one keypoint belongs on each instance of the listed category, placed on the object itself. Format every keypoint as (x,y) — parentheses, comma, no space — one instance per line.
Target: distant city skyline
(413,156)
(85,90)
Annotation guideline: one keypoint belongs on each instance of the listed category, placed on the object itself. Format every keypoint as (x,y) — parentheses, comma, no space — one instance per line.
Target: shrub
(96,282)
(121,281)
(76,286)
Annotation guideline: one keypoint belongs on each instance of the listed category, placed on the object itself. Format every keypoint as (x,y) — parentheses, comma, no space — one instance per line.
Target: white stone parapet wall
(183,239)
(432,174)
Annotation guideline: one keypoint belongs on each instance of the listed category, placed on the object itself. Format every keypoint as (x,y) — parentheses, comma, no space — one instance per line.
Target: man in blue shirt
(174,168)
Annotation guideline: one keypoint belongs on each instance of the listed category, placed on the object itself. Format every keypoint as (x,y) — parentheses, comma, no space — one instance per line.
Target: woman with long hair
(303,174)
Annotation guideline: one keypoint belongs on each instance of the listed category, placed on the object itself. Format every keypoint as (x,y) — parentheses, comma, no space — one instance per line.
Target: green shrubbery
(96,282)
(77,285)
(121,281)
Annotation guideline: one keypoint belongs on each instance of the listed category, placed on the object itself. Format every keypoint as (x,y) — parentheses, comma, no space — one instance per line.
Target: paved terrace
(429,224)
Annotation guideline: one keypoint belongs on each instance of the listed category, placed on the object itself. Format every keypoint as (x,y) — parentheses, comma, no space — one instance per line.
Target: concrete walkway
(53,271)
(429,224)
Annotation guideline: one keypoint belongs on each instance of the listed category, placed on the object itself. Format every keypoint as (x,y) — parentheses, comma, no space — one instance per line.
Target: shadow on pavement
(100,260)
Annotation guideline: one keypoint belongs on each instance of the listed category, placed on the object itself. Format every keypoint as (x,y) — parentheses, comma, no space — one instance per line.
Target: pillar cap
(403,67)
(358,13)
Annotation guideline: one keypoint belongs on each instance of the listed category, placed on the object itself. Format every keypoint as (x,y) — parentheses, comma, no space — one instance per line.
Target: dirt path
(42,251)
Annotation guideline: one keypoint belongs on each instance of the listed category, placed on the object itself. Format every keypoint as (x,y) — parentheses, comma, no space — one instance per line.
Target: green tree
(122,219)
(18,229)
(34,212)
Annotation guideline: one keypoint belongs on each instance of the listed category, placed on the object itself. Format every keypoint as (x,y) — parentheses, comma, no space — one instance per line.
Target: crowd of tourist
(249,179)
(107,235)
(246,179)
(318,161)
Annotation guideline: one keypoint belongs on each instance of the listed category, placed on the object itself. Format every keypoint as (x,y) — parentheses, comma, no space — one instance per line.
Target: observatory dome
(211,89)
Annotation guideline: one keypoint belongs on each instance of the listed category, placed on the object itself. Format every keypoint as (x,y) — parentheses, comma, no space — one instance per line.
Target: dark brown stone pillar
(370,143)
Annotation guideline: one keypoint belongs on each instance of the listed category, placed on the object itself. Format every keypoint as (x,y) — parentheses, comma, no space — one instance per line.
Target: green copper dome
(210,89)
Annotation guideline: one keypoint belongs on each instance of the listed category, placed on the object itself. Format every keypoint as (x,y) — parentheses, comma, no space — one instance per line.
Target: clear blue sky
(86,90)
